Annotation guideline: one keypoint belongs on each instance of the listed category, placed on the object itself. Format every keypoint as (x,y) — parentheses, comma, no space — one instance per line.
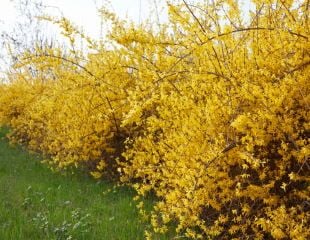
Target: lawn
(36,203)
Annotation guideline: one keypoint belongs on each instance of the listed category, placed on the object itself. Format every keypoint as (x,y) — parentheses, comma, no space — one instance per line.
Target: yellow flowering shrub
(222,110)
(209,112)
(66,109)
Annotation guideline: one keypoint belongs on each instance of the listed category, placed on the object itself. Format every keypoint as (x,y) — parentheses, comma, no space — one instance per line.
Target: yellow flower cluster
(210,112)
(65,109)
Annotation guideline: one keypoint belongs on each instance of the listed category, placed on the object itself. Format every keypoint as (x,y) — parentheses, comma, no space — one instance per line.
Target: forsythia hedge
(209,112)
(64,112)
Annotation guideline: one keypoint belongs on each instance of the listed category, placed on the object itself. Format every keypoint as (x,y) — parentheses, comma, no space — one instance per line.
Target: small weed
(78,225)
(41,221)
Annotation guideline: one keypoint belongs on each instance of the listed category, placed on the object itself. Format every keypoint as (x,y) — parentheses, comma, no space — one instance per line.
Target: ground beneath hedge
(36,203)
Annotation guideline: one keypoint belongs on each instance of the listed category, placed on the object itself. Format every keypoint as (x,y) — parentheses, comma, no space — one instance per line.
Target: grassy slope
(38,204)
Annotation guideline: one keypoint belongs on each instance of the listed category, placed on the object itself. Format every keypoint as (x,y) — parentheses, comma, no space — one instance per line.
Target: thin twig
(194,16)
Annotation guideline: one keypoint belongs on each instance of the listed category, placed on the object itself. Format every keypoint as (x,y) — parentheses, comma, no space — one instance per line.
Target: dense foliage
(209,112)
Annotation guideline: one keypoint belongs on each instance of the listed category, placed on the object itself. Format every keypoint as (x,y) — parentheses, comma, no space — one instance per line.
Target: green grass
(36,203)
